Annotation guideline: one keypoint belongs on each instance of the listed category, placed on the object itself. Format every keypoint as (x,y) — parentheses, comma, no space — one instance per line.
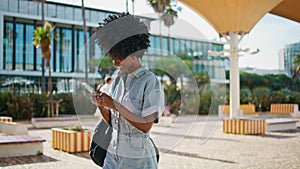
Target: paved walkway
(190,143)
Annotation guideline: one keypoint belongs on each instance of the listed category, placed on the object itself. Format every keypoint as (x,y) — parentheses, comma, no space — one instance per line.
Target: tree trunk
(50,94)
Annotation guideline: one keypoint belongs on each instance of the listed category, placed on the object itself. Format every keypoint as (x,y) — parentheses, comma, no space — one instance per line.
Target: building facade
(21,62)
(289,54)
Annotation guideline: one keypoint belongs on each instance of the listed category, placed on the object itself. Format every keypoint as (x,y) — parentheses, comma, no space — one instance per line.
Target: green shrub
(205,102)
(35,105)
(19,107)
(4,98)
(173,98)
(74,128)
(40,104)
(66,104)
(245,96)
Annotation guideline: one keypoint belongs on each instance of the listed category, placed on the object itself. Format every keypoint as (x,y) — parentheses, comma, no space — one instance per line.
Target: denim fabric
(141,93)
(118,162)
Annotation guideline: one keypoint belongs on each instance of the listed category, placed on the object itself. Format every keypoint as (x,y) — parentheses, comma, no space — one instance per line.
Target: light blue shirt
(141,93)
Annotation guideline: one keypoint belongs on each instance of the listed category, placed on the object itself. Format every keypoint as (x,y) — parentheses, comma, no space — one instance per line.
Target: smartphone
(89,88)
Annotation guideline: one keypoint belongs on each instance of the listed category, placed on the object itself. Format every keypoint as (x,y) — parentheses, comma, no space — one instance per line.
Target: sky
(269,35)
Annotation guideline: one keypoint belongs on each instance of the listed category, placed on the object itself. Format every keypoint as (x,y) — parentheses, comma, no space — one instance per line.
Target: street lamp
(233,54)
(227,52)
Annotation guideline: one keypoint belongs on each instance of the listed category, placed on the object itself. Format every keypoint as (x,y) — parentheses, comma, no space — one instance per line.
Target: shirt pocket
(134,105)
(137,143)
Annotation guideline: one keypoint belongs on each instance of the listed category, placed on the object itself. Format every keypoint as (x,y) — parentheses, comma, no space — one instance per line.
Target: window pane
(64,50)
(67,50)
(33,8)
(182,46)
(29,47)
(78,14)
(204,50)
(58,51)
(13,6)
(69,13)
(4,5)
(157,45)
(177,46)
(23,7)
(87,15)
(79,62)
(94,16)
(51,11)
(165,45)
(19,46)
(101,16)
(60,12)
(8,44)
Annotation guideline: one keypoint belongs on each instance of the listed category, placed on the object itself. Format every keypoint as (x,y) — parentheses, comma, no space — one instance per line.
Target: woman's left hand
(107,101)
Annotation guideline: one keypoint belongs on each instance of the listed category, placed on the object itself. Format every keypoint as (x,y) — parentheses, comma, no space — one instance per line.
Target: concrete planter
(48,122)
(71,141)
(244,126)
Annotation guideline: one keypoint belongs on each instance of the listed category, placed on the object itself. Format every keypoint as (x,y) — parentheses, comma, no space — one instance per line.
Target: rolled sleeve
(153,99)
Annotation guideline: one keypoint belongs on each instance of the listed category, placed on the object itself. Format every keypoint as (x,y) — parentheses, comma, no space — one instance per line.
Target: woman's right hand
(95,99)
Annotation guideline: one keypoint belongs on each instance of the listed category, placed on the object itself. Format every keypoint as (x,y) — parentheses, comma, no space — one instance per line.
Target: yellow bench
(244,126)
(248,109)
(284,109)
(5,119)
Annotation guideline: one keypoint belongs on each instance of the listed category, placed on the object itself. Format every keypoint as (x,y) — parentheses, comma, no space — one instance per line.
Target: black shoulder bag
(100,142)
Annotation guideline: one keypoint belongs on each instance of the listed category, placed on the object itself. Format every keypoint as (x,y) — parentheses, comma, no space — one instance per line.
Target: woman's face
(124,65)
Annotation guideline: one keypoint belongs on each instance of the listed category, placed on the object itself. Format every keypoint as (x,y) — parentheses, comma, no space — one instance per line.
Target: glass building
(20,61)
(290,52)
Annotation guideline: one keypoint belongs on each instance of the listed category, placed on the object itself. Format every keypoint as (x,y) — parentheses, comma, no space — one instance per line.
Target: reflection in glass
(19,46)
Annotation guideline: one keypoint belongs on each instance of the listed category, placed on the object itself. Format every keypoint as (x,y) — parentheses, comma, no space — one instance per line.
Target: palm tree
(42,39)
(159,6)
(167,10)
(296,69)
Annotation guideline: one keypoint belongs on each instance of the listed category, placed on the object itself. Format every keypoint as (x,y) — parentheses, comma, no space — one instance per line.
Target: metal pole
(43,60)
(132,7)
(234,75)
(85,40)
(169,40)
(126,6)
(160,36)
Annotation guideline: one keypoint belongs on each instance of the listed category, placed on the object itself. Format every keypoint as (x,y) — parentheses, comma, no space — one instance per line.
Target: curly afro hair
(122,35)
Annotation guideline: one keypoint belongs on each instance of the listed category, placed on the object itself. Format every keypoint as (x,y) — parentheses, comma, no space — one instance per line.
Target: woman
(136,97)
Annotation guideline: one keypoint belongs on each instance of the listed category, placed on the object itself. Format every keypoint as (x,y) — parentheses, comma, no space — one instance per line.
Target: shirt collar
(138,71)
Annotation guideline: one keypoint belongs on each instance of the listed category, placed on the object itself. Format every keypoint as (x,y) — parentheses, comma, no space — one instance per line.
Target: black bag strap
(156,150)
